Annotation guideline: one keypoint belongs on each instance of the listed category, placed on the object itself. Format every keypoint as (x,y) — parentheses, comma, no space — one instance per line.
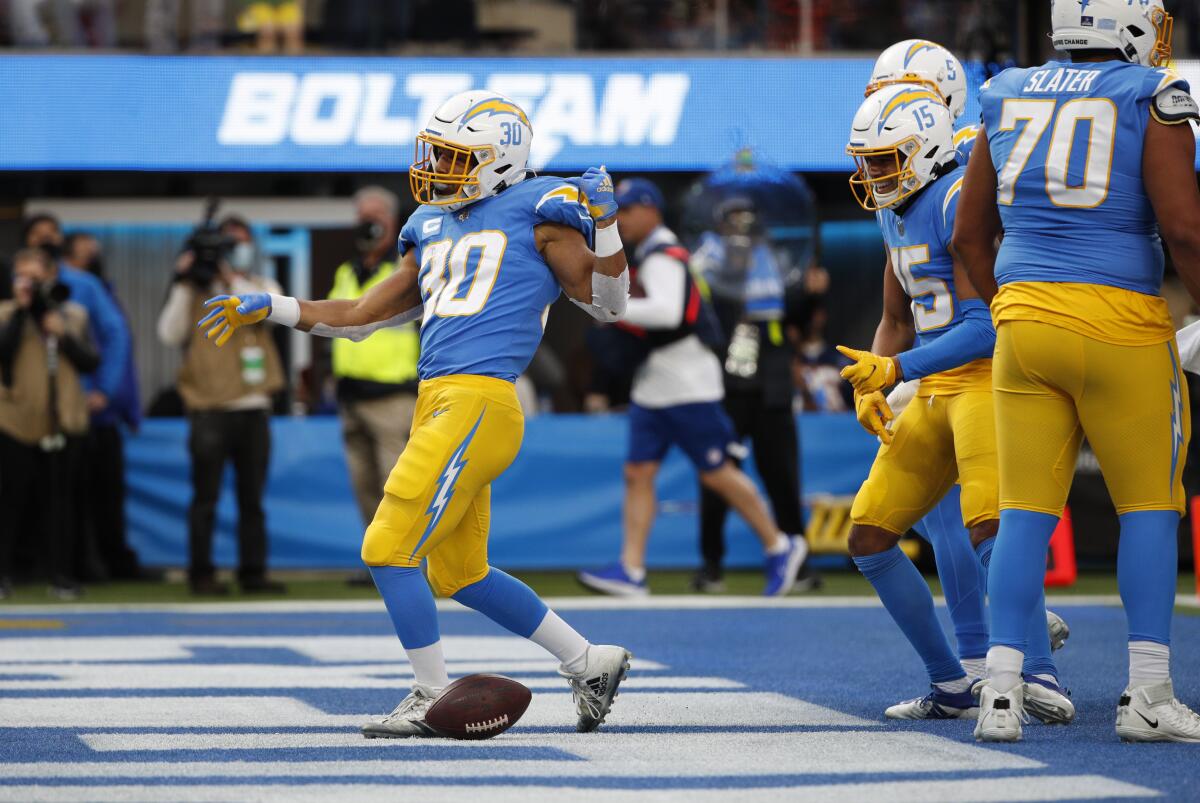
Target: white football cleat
(1047,701)
(595,688)
(408,718)
(937,704)
(1059,632)
(1000,715)
(1152,714)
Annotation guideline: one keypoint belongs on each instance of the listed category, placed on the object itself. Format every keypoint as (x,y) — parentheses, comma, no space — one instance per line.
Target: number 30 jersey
(483,282)
(918,243)
(1066,140)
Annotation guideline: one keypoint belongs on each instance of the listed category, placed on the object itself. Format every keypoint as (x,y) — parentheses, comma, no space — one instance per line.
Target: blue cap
(634,191)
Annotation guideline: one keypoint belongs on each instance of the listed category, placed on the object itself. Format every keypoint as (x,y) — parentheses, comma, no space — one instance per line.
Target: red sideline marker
(1060,565)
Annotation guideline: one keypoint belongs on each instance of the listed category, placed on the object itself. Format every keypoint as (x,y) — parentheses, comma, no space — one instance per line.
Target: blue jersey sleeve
(973,338)
(1170,97)
(408,236)
(560,204)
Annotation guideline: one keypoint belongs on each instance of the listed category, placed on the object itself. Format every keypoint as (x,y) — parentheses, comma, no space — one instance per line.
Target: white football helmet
(900,136)
(917,61)
(474,145)
(1139,29)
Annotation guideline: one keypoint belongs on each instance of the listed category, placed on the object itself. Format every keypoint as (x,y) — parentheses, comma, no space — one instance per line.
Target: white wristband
(285,310)
(608,241)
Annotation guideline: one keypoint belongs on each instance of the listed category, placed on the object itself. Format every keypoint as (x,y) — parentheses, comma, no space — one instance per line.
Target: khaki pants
(375,432)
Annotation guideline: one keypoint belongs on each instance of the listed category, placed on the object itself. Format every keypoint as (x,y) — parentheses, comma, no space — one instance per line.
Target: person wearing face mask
(376,377)
(103,500)
(44,350)
(227,395)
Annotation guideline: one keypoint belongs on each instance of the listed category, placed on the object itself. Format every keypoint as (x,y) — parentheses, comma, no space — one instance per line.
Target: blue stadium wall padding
(558,505)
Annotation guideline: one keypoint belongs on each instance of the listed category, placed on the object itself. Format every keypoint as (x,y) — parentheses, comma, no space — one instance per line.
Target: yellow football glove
(227,313)
(874,414)
(869,372)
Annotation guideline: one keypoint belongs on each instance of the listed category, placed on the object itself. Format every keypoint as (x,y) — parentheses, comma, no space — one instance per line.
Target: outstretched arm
(393,301)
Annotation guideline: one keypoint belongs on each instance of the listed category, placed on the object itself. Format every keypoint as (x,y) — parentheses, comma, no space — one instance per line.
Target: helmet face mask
(885,176)
(1164,29)
(444,173)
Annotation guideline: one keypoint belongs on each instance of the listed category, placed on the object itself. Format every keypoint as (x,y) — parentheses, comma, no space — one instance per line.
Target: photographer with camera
(227,395)
(44,348)
(377,377)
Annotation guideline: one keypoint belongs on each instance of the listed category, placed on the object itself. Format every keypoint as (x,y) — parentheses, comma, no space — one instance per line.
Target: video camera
(209,245)
(47,298)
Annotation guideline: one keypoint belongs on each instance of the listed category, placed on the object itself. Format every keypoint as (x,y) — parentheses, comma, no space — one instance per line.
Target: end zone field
(730,698)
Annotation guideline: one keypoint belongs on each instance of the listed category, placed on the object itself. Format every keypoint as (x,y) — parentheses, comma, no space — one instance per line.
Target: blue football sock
(506,601)
(1147,567)
(1016,575)
(1038,659)
(983,553)
(409,603)
(962,583)
(906,596)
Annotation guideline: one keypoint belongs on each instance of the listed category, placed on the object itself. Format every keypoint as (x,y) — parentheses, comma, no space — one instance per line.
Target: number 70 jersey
(1066,140)
(483,282)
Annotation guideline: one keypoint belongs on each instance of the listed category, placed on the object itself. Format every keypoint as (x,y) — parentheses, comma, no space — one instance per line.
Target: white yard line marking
(647,709)
(478,653)
(82,676)
(985,790)
(606,755)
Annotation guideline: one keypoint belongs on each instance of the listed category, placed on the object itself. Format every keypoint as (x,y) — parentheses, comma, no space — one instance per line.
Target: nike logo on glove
(1153,724)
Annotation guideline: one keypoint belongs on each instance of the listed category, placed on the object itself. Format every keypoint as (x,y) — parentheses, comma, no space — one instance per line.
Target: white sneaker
(1047,701)
(937,704)
(1152,714)
(408,718)
(595,688)
(1059,632)
(1000,715)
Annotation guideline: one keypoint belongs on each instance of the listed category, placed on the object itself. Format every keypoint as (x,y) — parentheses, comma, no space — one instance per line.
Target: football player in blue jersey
(1084,164)
(902,142)
(484,256)
(928,64)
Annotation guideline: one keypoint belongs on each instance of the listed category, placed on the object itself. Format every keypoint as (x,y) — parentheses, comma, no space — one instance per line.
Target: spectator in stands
(104,459)
(70,16)
(747,288)
(276,24)
(204,28)
(44,348)
(227,395)
(376,377)
(675,400)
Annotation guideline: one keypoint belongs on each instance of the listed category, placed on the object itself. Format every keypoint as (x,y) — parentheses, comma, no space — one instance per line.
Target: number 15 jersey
(1066,140)
(485,286)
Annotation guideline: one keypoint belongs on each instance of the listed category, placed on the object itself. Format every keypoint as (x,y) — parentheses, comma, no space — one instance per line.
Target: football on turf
(478,707)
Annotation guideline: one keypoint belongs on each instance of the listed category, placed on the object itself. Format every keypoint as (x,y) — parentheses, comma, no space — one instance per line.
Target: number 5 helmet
(900,136)
(1139,29)
(917,61)
(474,145)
